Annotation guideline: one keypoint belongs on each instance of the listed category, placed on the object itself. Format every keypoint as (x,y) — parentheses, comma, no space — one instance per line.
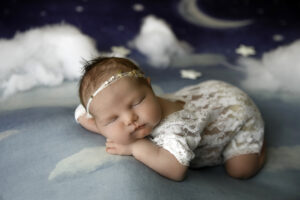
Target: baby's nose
(131,117)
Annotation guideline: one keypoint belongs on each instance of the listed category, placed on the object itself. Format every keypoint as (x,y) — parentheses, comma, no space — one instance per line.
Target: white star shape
(278,37)
(190,74)
(79,9)
(138,7)
(120,51)
(245,50)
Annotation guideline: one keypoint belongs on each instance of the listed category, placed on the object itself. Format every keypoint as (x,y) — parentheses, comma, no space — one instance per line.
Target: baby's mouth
(139,127)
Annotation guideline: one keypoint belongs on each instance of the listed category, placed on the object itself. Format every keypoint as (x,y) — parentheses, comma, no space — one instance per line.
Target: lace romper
(218,122)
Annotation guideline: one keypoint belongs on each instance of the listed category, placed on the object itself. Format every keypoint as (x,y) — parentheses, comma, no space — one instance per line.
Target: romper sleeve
(180,135)
(176,145)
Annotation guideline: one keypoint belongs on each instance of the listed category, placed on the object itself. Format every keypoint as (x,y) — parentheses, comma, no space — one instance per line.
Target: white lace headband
(114,78)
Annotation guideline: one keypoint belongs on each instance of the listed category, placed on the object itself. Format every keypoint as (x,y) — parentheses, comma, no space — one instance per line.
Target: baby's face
(126,111)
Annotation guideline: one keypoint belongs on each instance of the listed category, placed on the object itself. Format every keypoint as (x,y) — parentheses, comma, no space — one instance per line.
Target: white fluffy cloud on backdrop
(158,43)
(43,56)
(49,55)
(278,71)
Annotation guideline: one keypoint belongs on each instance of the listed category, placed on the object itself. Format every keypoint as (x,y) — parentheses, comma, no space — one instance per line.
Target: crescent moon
(190,12)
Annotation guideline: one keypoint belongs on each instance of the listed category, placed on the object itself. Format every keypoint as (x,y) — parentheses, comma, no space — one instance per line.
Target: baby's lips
(140,127)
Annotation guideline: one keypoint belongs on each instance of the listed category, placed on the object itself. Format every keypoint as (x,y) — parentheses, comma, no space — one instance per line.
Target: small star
(245,50)
(120,51)
(121,28)
(43,13)
(79,9)
(138,7)
(278,37)
(190,74)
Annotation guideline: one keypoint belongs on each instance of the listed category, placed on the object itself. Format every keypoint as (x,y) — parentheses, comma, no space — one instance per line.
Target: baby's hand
(118,149)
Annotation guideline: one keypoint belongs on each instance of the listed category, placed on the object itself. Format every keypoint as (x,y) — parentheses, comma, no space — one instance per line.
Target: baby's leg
(247,165)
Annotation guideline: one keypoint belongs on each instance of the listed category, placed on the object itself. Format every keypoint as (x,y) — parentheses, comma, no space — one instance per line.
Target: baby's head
(119,97)
(98,70)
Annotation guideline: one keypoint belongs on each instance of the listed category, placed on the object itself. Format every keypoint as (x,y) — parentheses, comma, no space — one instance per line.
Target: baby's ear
(89,123)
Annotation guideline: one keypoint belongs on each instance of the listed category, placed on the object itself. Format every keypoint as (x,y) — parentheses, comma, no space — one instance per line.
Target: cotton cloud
(159,44)
(83,162)
(277,71)
(43,56)
(157,41)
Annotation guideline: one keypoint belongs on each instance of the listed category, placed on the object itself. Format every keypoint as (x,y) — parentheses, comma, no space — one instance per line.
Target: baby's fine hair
(98,70)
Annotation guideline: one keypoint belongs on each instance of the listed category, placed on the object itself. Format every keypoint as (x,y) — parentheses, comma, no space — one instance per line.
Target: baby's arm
(159,159)
(155,157)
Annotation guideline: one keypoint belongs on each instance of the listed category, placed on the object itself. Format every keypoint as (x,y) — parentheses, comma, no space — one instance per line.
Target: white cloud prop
(277,71)
(83,162)
(43,56)
(159,44)
(157,41)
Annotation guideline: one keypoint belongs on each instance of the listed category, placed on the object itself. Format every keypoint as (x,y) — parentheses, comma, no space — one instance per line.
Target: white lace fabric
(218,122)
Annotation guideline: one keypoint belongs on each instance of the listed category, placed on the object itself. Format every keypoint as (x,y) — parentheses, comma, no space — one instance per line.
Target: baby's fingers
(109,143)
(110,146)
(111,150)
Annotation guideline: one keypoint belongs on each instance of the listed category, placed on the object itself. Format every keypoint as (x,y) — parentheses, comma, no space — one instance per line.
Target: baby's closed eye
(111,120)
(137,102)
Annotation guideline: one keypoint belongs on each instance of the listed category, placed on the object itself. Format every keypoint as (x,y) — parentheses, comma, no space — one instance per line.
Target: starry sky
(115,22)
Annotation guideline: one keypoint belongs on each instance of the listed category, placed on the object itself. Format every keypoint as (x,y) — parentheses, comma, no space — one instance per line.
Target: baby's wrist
(137,146)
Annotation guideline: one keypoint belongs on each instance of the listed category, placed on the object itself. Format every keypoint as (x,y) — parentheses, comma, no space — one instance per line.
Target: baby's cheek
(118,133)
(155,115)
